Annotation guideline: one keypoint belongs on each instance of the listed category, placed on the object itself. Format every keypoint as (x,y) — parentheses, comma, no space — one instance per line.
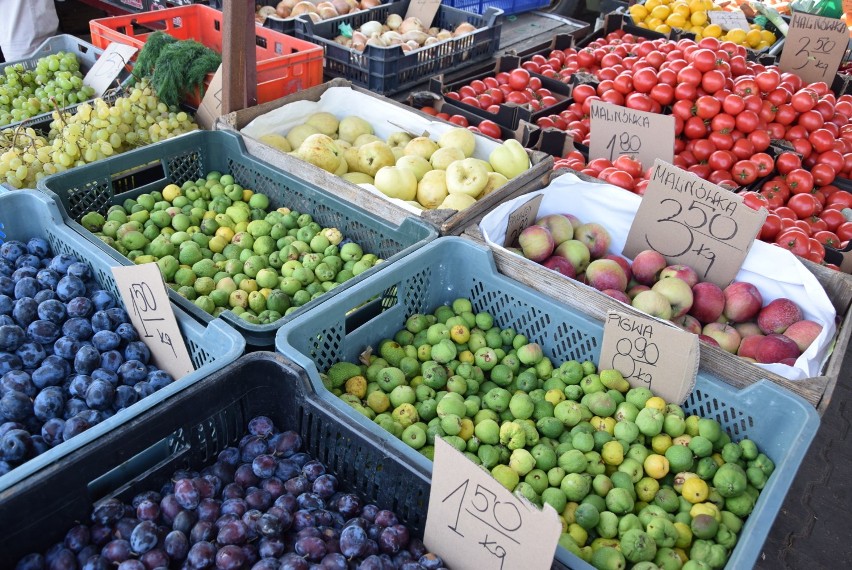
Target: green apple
(432,189)
(320,150)
(509,159)
(351,127)
(459,138)
(297,135)
(442,158)
(276,141)
(396,182)
(373,156)
(366,138)
(421,146)
(358,178)
(466,176)
(495,181)
(326,123)
(417,164)
(457,202)
(399,138)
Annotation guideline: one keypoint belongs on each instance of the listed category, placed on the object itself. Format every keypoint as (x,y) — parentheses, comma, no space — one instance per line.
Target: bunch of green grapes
(95,131)
(55,81)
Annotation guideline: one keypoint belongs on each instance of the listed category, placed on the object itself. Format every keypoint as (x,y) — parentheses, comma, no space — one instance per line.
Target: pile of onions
(316,10)
(409,33)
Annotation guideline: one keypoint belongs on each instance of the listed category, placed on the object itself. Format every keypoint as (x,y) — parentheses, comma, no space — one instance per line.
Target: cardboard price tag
(114,58)
(694,222)
(474,522)
(521,218)
(651,353)
(618,130)
(424,10)
(814,48)
(211,105)
(147,302)
(735,20)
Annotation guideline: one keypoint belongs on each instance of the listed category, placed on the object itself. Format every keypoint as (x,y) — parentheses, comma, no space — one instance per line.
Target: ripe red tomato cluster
(805,217)
(485,127)
(516,86)
(625,172)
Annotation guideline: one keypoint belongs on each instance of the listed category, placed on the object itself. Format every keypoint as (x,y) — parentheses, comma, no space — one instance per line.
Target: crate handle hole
(162,453)
(144,175)
(261,42)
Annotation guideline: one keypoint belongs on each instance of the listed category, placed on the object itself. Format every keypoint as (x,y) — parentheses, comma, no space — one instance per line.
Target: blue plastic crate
(781,423)
(509,7)
(191,156)
(27,214)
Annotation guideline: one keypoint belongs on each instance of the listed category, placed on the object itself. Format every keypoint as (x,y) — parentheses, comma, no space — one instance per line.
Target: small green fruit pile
(635,480)
(219,245)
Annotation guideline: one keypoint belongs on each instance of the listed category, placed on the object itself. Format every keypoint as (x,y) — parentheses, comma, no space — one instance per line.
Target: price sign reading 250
(693,222)
(502,518)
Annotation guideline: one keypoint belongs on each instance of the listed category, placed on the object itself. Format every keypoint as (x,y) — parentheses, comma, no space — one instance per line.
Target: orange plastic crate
(284,64)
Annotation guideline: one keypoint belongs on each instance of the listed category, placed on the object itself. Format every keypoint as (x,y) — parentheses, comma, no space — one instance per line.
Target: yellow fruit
(661,442)
(768,36)
(564,524)
(171,192)
(653,23)
(578,533)
(697,31)
(466,356)
(568,512)
(651,4)
(217,244)
(698,18)
(681,8)
(247,194)
(642,25)
(554,396)
(737,36)
(753,38)
(661,12)
(762,45)
(696,6)
(713,31)
(684,535)
(225,233)
(695,490)
(656,466)
(676,21)
(612,453)
(466,431)
(706,509)
(656,402)
(709,5)
(460,334)
(663,28)
(638,12)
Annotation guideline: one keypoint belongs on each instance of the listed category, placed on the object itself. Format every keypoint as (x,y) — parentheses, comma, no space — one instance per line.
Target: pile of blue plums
(264,505)
(69,357)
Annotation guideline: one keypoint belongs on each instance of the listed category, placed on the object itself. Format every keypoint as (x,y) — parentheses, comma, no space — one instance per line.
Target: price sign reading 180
(474,522)
(618,131)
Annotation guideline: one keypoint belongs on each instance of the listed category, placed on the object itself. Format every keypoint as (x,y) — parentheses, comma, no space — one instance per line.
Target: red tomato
(760,139)
(621,179)
(459,120)
(817,251)
(745,172)
(663,93)
(804,205)
(721,160)
(833,218)
(721,141)
(490,129)
(518,79)
(429,110)
(844,231)
(743,149)
(723,122)
(712,81)
(689,75)
(840,200)
(644,80)
(797,242)
(582,92)
(707,107)
(816,224)
(629,165)
(787,162)
(695,128)
(804,100)
(770,227)
(823,174)
(768,80)
(800,181)
(747,121)
(733,104)
(786,114)
(786,212)
(827,239)
(746,86)
(754,200)
(811,121)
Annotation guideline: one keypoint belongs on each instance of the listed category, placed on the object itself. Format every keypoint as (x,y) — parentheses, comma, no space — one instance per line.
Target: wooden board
(725,366)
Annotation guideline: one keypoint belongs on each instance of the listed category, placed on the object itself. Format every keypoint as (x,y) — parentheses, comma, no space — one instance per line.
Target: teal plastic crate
(99,185)
(781,423)
(28,214)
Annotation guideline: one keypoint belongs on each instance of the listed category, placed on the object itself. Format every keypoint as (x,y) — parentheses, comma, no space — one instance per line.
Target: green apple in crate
(403,167)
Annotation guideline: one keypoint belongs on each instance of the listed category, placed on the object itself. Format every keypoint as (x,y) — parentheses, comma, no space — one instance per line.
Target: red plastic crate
(284,64)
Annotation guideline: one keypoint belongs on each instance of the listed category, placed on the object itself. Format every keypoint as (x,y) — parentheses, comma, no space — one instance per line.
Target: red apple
(775,348)
(726,335)
(647,266)
(536,243)
(617,295)
(709,340)
(803,333)
(595,237)
(606,274)
(742,302)
(708,302)
(680,271)
(748,346)
(559,226)
(778,315)
(677,292)
(560,265)
(625,265)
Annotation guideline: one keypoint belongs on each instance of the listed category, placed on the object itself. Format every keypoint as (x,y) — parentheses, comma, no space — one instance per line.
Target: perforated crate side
(736,422)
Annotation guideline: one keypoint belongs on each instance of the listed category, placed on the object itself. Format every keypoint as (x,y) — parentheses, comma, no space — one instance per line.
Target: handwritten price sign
(144,294)
(814,48)
(521,218)
(651,353)
(691,221)
(474,522)
(729,20)
(619,130)
(114,58)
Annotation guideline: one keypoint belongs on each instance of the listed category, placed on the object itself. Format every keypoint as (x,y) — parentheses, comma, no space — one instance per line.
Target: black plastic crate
(390,70)
(187,432)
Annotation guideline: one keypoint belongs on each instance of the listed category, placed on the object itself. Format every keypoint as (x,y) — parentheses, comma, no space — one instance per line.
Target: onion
(444,35)
(284,8)
(267,11)
(464,28)
(303,8)
(430,40)
(327,12)
(394,21)
(371,27)
(359,38)
(433,31)
(412,44)
(405,47)
(410,24)
(315,18)
(353,4)
(358,45)
(341,6)
(391,38)
(376,41)
(370,3)
(415,36)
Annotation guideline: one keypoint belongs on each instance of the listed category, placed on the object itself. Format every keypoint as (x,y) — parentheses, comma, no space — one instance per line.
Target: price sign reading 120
(691,221)
(474,522)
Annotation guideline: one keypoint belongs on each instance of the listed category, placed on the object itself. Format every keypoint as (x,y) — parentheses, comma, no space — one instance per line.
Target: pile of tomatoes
(517,86)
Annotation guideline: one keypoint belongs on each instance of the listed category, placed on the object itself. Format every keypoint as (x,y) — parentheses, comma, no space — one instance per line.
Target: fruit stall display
(73,366)
(265,227)
(599,241)
(501,373)
(468,195)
